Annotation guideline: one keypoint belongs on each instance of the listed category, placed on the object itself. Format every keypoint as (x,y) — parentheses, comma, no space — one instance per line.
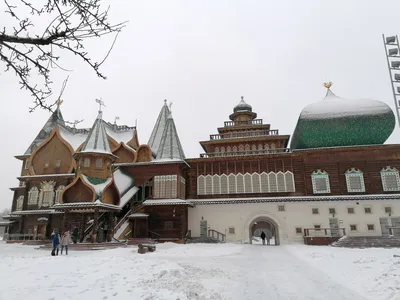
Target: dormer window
(355,181)
(99,163)
(86,163)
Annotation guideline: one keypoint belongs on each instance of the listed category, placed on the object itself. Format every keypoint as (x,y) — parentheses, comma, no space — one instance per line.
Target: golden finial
(328,84)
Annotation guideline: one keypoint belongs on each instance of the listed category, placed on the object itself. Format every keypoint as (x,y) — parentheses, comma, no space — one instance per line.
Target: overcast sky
(204,55)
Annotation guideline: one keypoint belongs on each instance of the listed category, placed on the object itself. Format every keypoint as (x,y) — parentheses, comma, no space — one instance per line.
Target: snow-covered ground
(201,271)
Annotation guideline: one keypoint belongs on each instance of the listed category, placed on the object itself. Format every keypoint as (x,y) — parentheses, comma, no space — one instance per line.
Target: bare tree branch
(72,23)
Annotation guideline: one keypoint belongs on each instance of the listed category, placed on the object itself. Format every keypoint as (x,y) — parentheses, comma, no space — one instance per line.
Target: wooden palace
(336,178)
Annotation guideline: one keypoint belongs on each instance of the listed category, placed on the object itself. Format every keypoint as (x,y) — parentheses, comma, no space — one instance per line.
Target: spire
(156,134)
(97,141)
(170,146)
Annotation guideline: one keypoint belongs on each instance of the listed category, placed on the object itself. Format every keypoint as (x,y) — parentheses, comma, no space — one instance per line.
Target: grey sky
(204,55)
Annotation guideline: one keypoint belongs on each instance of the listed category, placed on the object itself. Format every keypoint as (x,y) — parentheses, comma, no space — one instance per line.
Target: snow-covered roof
(75,139)
(333,106)
(157,133)
(46,175)
(294,199)
(97,141)
(123,181)
(157,161)
(128,196)
(34,212)
(96,204)
(6,223)
(138,215)
(170,146)
(99,188)
(168,202)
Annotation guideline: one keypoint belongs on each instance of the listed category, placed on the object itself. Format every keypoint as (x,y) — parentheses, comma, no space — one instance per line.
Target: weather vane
(170,105)
(115,120)
(100,102)
(328,84)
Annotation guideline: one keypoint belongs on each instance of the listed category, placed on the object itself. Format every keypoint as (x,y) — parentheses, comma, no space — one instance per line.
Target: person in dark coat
(56,243)
(263,237)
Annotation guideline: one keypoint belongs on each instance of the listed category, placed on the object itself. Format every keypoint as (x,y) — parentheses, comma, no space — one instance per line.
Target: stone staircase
(368,242)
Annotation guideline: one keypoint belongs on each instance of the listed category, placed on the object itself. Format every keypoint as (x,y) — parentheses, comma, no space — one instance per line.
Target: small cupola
(242,112)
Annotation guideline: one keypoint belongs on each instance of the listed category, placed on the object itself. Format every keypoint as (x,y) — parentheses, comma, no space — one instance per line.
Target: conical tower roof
(55,119)
(97,141)
(170,145)
(159,127)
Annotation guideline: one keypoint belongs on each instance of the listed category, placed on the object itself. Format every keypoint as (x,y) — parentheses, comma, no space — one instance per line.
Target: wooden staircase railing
(90,227)
(216,234)
(125,217)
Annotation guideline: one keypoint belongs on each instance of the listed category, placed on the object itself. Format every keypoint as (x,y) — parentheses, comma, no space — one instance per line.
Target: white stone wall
(297,214)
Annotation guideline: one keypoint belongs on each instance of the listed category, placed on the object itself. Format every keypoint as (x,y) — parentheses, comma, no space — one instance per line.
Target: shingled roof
(170,146)
(55,119)
(157,133)
(97,141)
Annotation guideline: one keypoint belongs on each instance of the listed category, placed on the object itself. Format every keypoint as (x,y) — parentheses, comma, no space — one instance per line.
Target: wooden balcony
(244,134)
(246,153)
(243,123)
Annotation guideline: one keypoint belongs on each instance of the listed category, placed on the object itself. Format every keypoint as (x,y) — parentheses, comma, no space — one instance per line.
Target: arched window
(216,185)
(58,194)
(232,183)
(289,181)
(264,182)
(273,184)
(216,150)
(255,178)
(239,183)
(320,182)
(241,149)
(280,180)
(46,194)
(248,187)
(20,203)
(224,184)
(209,185)
(222,151)
(355,181)
(390,179)
(254,149)
(247,148)
(86,162)
(234,150)
(33,196)
(201,185)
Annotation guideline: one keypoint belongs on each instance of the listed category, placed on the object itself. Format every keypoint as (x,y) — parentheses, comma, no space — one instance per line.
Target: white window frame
(320,174)
(389,171)
(46,196)
(281,207)
(33,196)
(58,194)
(317,210)
(26,166)
(57,164)
(20,203)
(231,230)
(354,211)
(373,227)
(352,173)
(201,185)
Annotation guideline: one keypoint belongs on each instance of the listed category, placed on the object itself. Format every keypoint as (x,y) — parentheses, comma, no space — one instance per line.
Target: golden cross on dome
(328,84)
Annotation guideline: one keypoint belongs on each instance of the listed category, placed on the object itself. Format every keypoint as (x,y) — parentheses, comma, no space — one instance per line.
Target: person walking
(263,237)
(65,241)
(56,243)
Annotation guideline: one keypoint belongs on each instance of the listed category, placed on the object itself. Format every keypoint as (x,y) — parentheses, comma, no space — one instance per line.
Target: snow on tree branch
(24,49)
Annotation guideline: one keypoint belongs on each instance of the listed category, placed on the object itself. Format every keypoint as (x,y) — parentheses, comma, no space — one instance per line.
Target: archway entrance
(266,225)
